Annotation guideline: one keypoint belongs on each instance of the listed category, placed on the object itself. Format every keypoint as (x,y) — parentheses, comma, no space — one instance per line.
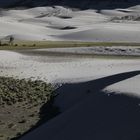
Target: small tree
(11,40)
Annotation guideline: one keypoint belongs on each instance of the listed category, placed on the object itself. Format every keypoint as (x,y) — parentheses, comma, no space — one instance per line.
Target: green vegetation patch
(57,44)
(13,91)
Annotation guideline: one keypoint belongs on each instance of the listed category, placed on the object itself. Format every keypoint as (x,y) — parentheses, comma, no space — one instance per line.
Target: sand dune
(106,33)
(59,23)
(95,115)
(98,97)
(95,99)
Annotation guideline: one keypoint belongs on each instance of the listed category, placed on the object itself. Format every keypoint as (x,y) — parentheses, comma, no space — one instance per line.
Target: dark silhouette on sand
(93,114)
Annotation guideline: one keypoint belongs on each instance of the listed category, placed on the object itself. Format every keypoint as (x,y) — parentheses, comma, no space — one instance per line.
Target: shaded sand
(99,98)
(87,112)
(96,99)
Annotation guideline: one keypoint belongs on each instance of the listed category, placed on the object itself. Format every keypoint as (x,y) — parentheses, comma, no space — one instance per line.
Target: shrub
(13,91)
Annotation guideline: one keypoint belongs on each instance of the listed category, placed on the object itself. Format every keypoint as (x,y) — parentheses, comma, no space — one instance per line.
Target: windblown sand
(59,23)
(80,72)
(98,94)
(68,68)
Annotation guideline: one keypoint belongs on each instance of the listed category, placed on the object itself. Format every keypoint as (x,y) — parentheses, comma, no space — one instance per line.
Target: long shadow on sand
(88,113)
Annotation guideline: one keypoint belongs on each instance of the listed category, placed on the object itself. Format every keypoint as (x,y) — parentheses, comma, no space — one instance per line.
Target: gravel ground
(20,104)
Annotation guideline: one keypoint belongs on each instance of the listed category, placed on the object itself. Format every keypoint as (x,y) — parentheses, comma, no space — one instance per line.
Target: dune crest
(60,23)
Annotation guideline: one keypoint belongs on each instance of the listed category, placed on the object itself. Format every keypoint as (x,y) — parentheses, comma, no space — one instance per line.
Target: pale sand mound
(106,33)
(59,23)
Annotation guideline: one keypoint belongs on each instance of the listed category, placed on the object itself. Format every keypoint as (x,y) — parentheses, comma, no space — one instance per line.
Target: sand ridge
(59,23)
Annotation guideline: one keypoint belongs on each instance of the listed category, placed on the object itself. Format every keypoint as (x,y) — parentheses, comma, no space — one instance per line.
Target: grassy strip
(58,44)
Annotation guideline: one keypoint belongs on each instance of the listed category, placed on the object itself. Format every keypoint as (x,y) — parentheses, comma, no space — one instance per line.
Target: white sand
(82,113)
(65,69)
(84,116)
(47,23)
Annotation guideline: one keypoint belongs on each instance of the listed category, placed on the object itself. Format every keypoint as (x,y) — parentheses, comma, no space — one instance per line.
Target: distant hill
(83,4)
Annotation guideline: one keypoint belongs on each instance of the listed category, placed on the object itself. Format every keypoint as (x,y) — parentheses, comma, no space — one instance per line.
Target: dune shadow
(85,4)
(94,114)
(72,93)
